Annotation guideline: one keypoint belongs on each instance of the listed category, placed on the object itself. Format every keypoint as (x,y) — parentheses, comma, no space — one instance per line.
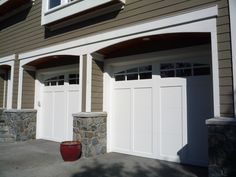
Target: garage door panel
(48,123)
(171,121)
(60,116)
(122,119)
(142,121)
(73,107)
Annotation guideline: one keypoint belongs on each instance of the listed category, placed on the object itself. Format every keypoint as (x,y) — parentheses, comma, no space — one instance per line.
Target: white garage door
(60,100)
(160,114)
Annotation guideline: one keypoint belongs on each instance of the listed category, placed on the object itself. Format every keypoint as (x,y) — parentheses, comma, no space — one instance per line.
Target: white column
(80,80)
(232,10)
(20,84)
(89,83)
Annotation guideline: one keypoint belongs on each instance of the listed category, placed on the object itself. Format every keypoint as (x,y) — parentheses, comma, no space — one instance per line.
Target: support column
(85,82)
(222,147)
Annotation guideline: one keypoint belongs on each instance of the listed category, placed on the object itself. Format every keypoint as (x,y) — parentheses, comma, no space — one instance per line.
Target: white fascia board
(69,9)
(7,58)
(128,30)
(3,1)
(232,10)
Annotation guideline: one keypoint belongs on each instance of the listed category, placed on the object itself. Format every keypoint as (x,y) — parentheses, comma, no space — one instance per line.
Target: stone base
(21,123)
(90,129)
(222,147)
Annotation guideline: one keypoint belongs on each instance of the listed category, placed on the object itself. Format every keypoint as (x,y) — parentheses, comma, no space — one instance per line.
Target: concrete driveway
(41,158)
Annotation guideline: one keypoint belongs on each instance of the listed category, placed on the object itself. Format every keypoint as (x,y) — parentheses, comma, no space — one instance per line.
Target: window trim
(68,8)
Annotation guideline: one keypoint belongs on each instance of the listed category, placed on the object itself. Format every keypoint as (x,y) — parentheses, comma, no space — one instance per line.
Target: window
(182,69)
(55,10)
(54,81)
(138,73)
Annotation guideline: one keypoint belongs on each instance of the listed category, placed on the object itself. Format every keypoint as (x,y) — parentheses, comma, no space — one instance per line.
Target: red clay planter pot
(70,150)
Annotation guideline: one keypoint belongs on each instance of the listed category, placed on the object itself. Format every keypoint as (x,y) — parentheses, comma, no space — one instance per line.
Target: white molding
(89,83)
(7,58)
(232,10)
(20,85)
(136,30)
(3,2)
(10,62)
(80,80)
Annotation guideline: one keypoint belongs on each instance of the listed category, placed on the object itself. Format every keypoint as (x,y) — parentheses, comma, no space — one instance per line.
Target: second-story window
(53,3)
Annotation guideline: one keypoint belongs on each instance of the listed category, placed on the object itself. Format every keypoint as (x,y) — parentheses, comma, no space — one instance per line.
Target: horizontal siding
(97,86)
(15,84)
(28,90)
(28,34)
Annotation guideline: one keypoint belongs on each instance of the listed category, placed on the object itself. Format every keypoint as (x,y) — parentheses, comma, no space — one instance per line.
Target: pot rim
(71,143)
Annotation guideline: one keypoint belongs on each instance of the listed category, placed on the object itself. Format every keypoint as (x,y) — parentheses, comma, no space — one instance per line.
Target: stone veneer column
(90,129)
(222,147)
(21,123)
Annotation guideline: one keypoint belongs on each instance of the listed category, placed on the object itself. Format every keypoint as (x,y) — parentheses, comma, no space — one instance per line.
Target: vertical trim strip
(232,10)
(83,82)
(89,83)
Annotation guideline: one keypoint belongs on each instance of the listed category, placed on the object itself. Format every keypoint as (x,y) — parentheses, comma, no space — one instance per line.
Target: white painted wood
(89,83)
(58,104)
(161,118)
(173,118)
(232,10)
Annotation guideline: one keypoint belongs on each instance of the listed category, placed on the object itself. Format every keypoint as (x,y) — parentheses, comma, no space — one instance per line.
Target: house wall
(28,34)
(28,90)
(97,86)
(15,84)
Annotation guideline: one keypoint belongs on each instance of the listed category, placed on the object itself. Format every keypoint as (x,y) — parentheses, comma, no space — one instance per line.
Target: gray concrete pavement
(41,158)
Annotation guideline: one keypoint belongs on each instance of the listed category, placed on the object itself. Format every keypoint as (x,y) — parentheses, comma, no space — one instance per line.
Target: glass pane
(72,75)
(145,68)
(201,71)
(54,3)
(167,66)
(73,81)
(183,72)
(132,77)
(133,70)
(61,77)
(119,77)
(61,82)
(170,73)
(145,75)
(46,83)
(183,65)
(53,83)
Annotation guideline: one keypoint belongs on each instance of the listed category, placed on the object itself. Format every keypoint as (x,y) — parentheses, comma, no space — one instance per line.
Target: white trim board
(9,61)
(7,58)
(232,10)
(157,24)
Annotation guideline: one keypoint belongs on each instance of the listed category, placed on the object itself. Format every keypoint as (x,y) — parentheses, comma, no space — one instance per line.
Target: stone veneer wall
(21,123)
(222,147)
(91,130)
(1,113)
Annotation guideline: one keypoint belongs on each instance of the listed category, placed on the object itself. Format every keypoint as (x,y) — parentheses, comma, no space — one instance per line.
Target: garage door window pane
(54,3)
(170,73)
(132,77)
(145,75)
(183,72)
(119,77)
(73,79)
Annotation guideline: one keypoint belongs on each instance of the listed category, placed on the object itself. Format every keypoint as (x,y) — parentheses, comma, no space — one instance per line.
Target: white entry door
(60,99)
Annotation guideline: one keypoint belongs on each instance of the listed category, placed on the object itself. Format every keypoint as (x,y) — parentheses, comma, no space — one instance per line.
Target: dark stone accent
(90,129)
(222,147)
(21,123)
(1,113)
